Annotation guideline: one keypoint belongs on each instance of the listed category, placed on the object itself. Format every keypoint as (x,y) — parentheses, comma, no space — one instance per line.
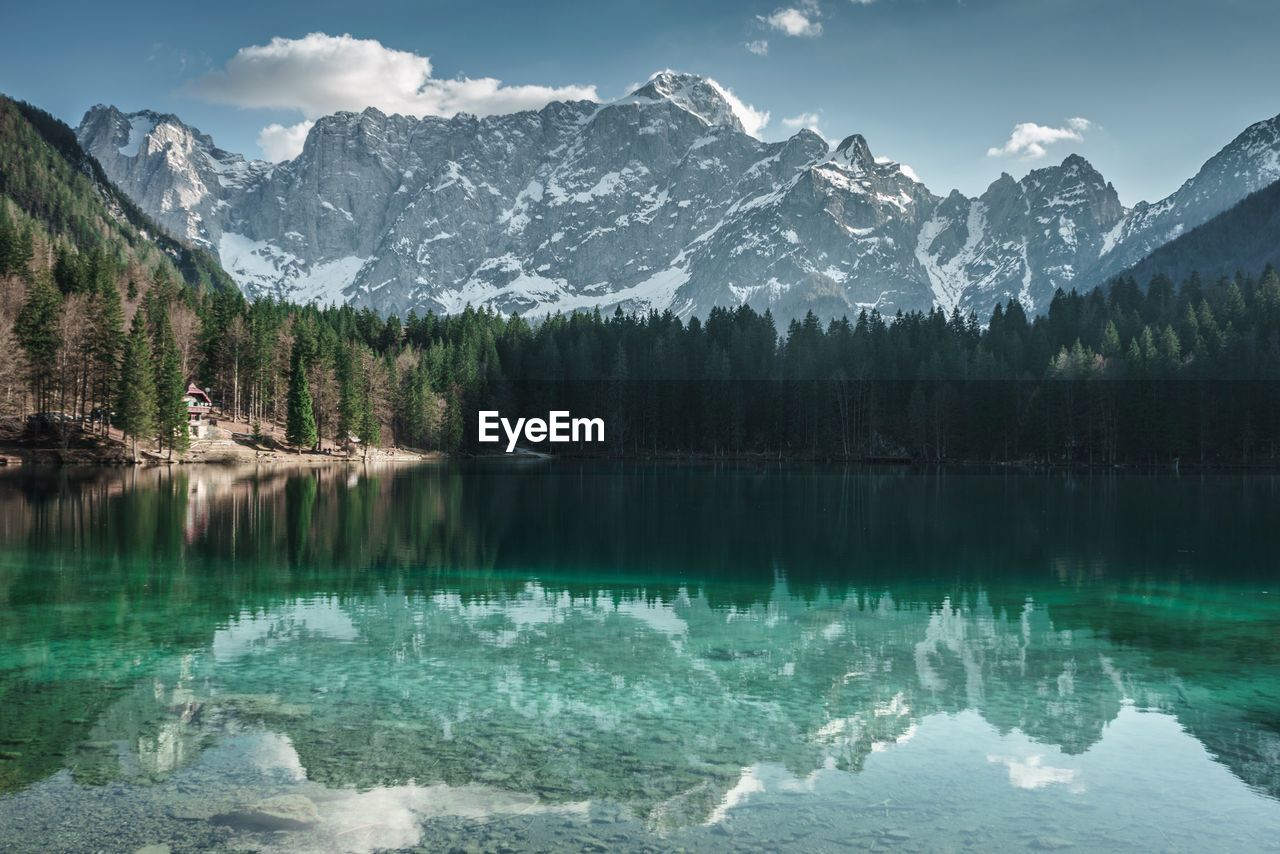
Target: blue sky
(1145,89)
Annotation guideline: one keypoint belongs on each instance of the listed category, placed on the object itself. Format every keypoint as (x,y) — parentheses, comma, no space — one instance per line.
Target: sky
(961,90)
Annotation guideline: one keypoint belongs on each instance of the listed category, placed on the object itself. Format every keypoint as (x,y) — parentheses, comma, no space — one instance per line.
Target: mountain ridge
(1245,237)
(70,198)
(659,200)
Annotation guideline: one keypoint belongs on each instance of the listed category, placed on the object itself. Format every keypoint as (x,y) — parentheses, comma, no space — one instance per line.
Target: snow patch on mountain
(140,125)
(660,200)
(705,98)
(949,278)
(261,269)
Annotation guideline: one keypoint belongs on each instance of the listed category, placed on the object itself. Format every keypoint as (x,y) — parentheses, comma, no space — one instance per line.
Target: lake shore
(229,447)
(97,451)
(233,444)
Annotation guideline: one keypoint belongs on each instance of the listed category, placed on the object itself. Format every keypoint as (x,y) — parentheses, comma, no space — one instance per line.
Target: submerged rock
(282,812)
(261,705)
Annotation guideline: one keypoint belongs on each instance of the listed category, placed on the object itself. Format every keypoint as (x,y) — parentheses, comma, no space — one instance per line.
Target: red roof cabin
(197,400)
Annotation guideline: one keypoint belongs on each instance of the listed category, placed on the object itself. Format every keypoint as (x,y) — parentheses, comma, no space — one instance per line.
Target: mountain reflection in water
(636,657)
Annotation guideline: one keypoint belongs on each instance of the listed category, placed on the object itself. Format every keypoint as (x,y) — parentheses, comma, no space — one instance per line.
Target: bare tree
(186,333)
(72,362)
(12,384)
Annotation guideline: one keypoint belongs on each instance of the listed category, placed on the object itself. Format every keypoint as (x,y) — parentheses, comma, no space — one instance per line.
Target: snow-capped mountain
(172,171)
(658,200)
(1022,239)
(1250,162)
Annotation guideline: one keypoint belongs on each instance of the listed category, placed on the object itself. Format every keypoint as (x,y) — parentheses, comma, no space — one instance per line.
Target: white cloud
(760,47)
(862,2)
(804,120)
(1029,139)
(909,172)
(753,120)
(795,22)
(320,74)
(283,143)
(1032,773)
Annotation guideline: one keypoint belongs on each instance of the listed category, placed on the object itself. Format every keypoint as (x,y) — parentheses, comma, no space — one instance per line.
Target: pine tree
(1110,340)
(452,429)
(347,360)
(106,341)
(367,426)
(369,430)
(300,422)
(171,387)
(1170,349)
(8,243)
(37,331)
(411,412)
(136,410)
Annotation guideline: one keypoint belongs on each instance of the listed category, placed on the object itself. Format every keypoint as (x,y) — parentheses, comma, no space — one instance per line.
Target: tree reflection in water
(654,650)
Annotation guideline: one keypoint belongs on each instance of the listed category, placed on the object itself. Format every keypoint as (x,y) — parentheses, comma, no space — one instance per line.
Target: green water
(557,656)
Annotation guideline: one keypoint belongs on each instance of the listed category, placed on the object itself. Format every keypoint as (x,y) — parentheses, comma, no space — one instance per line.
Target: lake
(555,655)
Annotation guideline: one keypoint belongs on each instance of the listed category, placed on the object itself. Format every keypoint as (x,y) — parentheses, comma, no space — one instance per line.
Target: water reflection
(322,659)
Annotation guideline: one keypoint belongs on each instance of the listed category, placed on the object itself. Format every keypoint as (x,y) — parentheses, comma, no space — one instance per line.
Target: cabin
(199,410)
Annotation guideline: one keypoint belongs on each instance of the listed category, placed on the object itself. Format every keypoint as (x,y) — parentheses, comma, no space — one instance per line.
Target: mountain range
(659,200)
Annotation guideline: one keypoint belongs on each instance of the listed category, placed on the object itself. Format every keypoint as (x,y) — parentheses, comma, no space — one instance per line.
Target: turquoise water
(555,656)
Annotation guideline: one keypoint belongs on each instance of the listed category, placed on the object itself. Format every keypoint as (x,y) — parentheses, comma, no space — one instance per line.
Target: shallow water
(562,656)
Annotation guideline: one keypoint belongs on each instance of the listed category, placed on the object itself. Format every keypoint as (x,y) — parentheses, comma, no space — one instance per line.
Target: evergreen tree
(452,429)
(370,431)
(347,365)
(300,424)
(1111,340)
(8,243)
(411,405)
(136,409)
(37,331)
(106,340)
(171,387)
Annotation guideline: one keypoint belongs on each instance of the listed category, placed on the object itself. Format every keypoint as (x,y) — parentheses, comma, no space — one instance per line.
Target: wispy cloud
(1030,140)
(760,47)
(753,121)
(320,74)
(800,22)
(804,120)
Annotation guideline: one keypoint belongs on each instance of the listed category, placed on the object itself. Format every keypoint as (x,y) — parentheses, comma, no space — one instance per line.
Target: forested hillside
(64,199)
(77,258)
(101,312)
(1246,237)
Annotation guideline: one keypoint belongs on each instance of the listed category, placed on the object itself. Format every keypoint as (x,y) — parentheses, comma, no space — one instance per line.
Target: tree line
(1119,374)
(103,317)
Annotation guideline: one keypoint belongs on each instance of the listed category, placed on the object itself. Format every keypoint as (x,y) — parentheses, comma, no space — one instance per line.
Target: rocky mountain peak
(1254,155)
(700,96)
(1073,183)
(1073,168)
(1243,166)
(805,146)
(854,154)
(634,204)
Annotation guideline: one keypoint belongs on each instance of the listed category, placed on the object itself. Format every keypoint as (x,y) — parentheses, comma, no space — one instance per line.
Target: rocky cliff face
(659,200)
(1021,239)
(174,172)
